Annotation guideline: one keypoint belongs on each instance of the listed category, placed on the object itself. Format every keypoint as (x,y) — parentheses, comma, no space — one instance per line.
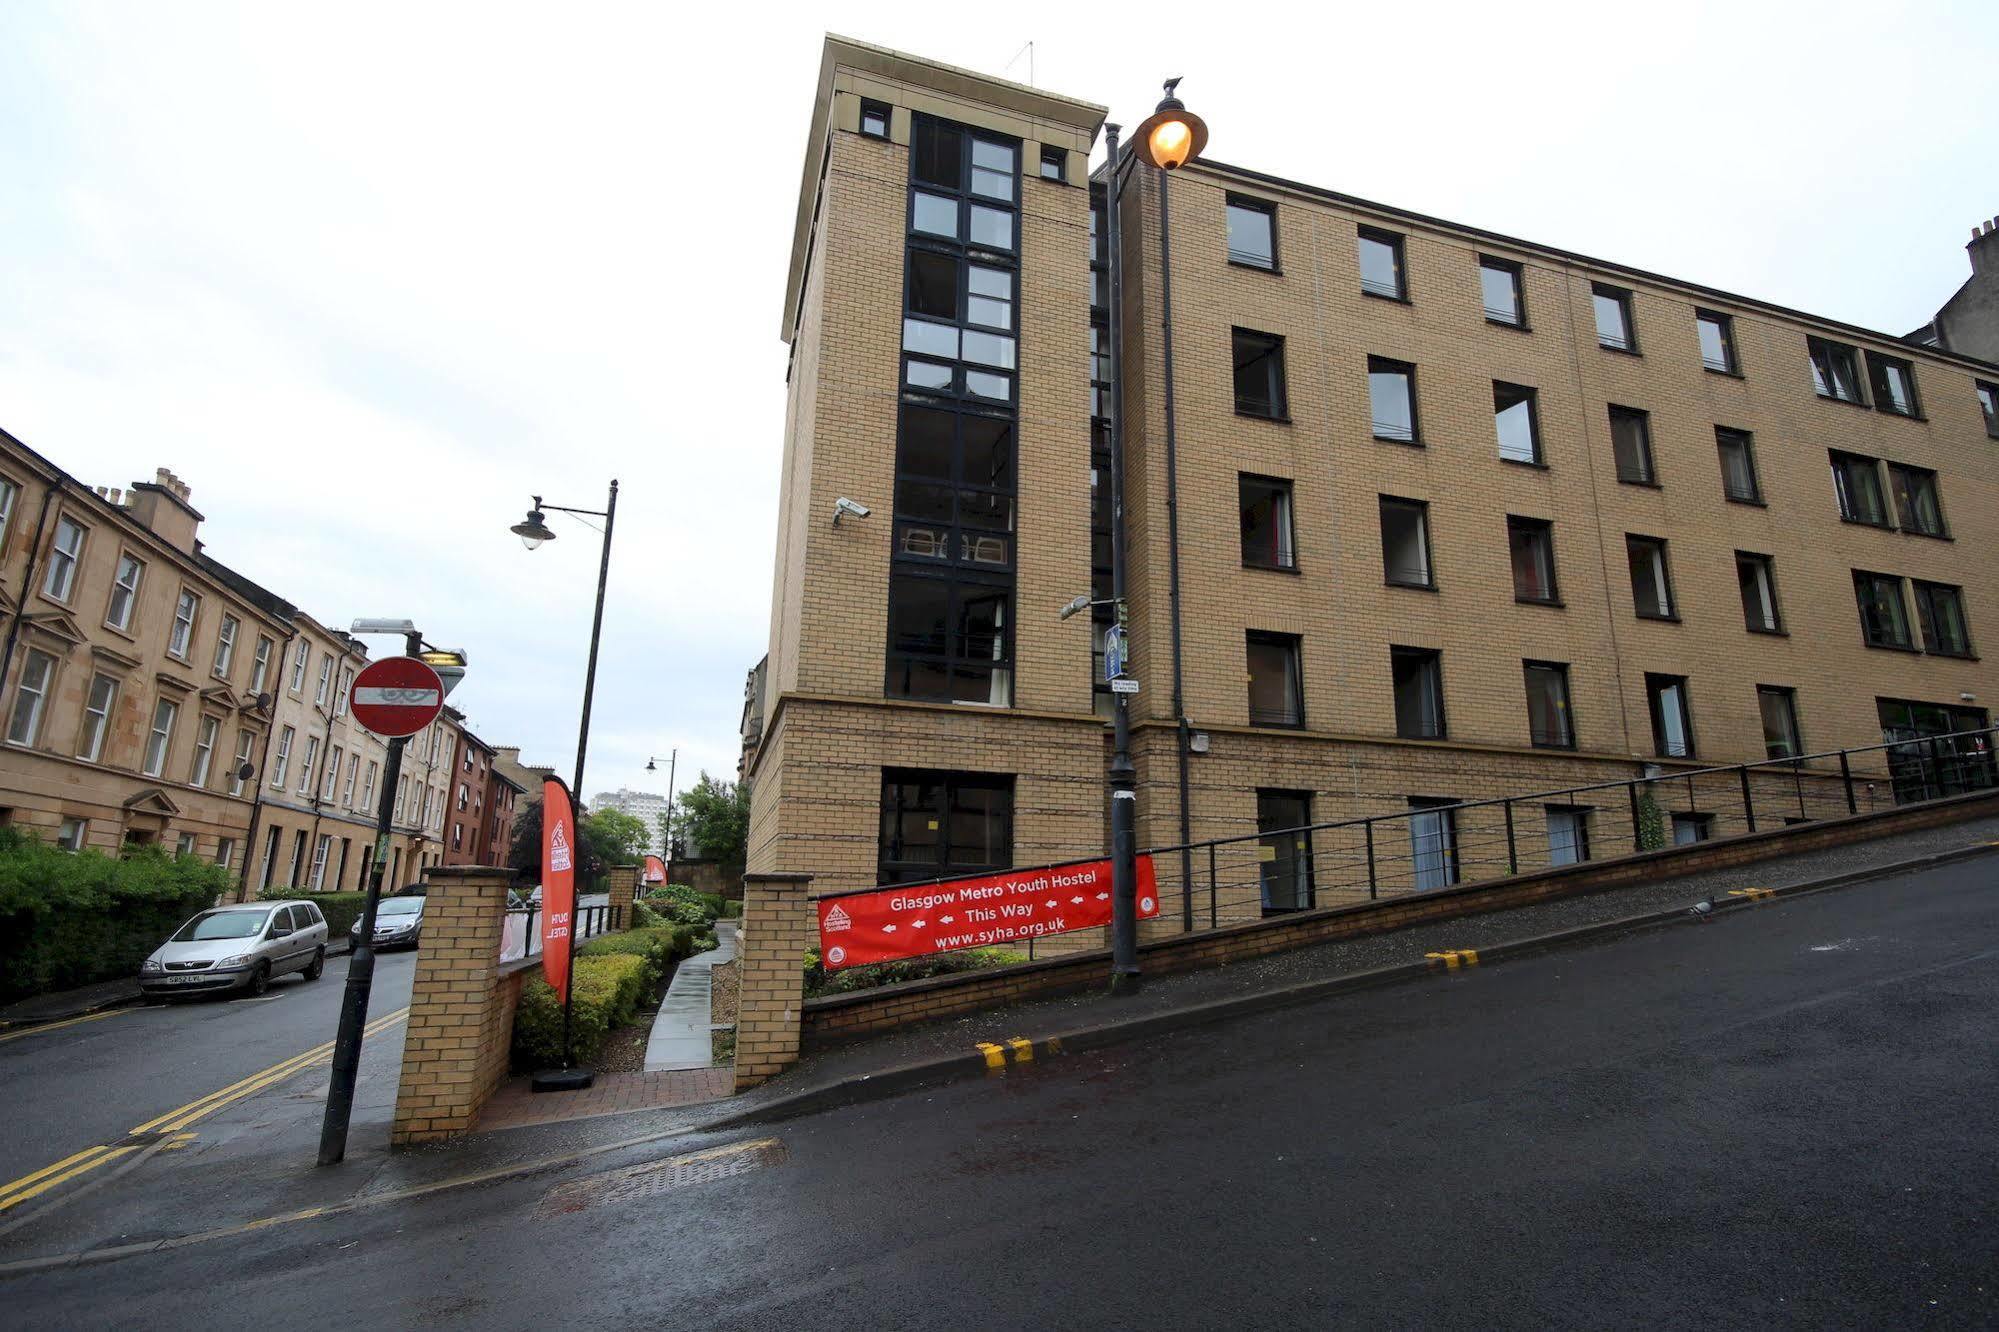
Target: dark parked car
(398,923)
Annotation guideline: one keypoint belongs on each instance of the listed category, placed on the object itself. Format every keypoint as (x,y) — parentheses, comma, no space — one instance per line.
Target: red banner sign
(892,923)
(655,870)
(558,882)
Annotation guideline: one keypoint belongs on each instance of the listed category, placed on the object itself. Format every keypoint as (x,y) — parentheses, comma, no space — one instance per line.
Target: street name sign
(397,696)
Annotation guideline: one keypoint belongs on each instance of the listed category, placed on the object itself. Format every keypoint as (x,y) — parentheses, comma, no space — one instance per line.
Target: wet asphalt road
(1782,1117)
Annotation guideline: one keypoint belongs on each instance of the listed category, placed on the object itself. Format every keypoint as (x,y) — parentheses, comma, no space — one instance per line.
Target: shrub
(731,908)
(682,905)
(340,909)
(645,918)
(605,992)
(820,981)
(660,946)
(71,918)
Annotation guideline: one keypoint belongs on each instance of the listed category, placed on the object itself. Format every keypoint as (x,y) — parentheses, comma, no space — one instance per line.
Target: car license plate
(182,980)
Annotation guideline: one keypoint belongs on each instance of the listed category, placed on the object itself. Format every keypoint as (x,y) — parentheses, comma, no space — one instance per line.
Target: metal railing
(520,934)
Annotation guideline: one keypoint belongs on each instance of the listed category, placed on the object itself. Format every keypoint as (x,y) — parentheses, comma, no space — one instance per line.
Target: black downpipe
(1181,736)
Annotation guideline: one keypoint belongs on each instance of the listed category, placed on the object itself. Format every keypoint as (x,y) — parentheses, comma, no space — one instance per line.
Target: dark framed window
(1276,687)
(1418,675)
(1672,715)
(949,640)
(1549,723)
(1756,575)
(1988,405)
(954,488)
(1568,834)
(1391,393)
(1283,821)
(940,825)
(1940,610)
(874,119)
(1531,542)
(1717,335)
(1778,705)
(1917,506)
(1884,616)
(1691,828)
(1259,374)
(1433,842)
(1252,238)
(1856,481)
(1405,543)
(958,327)
(1926,766)
(1835,370)
(1382,270)
(1502,292)
(1894,383)
(1054,162)
(1651,578)
(1266,522)
(1737,450)
(1614,330)
(1517,420)
(1631,444)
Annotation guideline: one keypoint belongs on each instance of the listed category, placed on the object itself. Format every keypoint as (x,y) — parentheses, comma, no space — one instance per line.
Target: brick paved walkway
(612,1094)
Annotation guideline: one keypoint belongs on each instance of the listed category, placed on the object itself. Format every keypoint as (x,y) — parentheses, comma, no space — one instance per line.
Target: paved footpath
(682,1033)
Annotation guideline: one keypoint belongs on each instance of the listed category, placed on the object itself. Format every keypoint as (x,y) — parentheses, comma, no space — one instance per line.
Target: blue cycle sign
(1117,656)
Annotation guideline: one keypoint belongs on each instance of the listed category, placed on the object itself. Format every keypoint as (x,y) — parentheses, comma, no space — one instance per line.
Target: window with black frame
(1924,764)
(1737,451)
(1856,482)
(1940,611)
(1894,383)
(940,825)
(959,325)
(1835,370)
(1549,723)
(1276,693)
(1717,339)
(1418,675)
(1259,374)
(1884,616)
(1917,507)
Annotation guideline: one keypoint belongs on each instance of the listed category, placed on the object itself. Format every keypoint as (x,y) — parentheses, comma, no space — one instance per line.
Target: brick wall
(461,1020)
(623,883)
(778,926)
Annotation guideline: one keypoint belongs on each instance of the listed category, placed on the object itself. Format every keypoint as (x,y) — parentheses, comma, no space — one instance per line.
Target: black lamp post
(533,531)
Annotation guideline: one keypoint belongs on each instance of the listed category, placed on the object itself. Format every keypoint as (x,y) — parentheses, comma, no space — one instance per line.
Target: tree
(618,838)
(603,839)
(714,818)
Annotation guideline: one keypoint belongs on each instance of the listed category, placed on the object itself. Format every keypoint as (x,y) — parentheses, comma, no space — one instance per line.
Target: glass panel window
(1717,335)
(311,761)
(1894,383)
(124,592)
(31,697)
(1651,585)
(1691,828)
(1405,542)
(1266,522)
(1884,619)
(991,227)
(1532,544)
(1835,370)
(1916,505)
(1252,232)
(1259,374)
(1501,291)
(9,494)
(934,215)
(1856,481)
(1276,696)
(70,834)
(1758,581)
(992,169)
(1515,418)
(204,751)
(1391,389)
(1631,442)
(161,737)
(182,632)
(1672,721)
(65,551)
(97,707)
(1779,707)
(1568,834)
(237,765)
(874,119)
(1284,868)
(1988,405)
(1738,465)
(1433,843)
(1940,609)
(1381,267)
(281,759)
(949,641)
(941,825)
(1613,318)
(298,654)
(1418,676)
(1549,725)
(225,645)
(322,692)
(1054,162)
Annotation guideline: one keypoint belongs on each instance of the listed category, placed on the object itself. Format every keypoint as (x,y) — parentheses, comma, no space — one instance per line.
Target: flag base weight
(562,1079)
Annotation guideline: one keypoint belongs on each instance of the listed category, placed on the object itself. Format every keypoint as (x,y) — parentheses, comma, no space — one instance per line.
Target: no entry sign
(397,696)
(891,923)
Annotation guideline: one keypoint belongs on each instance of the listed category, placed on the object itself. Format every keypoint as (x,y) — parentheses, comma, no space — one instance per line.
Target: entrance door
(1286,851)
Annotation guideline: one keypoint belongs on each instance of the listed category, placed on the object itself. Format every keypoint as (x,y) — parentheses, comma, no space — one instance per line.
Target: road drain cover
(642,1181)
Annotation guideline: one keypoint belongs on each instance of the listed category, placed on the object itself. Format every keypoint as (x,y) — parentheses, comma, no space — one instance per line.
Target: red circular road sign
(397,696)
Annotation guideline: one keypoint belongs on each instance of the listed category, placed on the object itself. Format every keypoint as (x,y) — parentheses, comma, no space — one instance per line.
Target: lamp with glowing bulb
(1172,134)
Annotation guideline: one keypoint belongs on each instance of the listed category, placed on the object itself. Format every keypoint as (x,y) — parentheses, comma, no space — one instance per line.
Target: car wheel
(316,966)
(260,979)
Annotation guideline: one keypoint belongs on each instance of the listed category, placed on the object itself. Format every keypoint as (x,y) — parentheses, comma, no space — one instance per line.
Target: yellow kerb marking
(1023,1049)
(58,1026)
(995,1054)
(1450,960)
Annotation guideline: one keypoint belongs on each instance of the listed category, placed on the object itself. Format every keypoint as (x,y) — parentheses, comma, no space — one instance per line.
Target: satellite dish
(264,702)
(247,771)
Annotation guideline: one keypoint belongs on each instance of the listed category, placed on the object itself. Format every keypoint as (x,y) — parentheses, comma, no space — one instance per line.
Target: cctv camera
(843,505)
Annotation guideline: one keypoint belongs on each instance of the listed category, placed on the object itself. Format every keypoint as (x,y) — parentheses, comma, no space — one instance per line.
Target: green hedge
(820,981)
(681,905)
(340,909)
(71,918)
(615,973)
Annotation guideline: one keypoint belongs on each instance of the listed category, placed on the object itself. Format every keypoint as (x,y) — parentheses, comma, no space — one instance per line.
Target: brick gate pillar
(461,1020)
(623,881)
(777,929)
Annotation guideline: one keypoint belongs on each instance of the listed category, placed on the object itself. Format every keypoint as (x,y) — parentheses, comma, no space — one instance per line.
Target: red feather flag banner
(558,883)
(655,870)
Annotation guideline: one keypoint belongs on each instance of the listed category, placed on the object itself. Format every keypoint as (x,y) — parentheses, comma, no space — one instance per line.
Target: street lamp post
(533,531)
(666,833)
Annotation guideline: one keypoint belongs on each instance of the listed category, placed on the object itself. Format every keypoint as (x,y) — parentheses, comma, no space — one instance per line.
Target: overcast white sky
(367,276)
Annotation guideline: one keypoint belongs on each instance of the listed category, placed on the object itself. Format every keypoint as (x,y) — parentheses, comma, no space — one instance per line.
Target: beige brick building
(1459,516)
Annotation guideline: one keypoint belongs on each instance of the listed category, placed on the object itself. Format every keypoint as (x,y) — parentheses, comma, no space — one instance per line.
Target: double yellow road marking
(1453,959)
(41,1027)
(169,1126)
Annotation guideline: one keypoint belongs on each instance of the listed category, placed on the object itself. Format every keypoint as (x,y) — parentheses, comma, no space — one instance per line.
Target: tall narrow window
(237,781)
(1737,451)
(1758,581)
(182,633)
(204,751)
(939,825)
(1405,542)
(1884,617)
(368,786)
(353,771)
(160,739)
(319,850)
(1284,869)
(1631,442)
(1433,843)
(1549,723)
(1252,232)
(1672,719)
(31,697)
(1651,581)
(331,779)
(1276,693)
(9,493)
(1418,675)
(124,593)
(1917,507)
(1531,542)
(1717,335)
(1266,522)
(1779,708)
(1568,834)
(957,336)
(342,691)
(1835,370)
(1259,374)
(1894,382)
(1515,418)
(1391,391)
(225,646)
(310,763)
(1500,290)
(65,552)
(1613,318)
(281,759)
(299,654)
(1988,405)
(1856,481)
(97,707)
(1382,272)
(1940,610)
(322,692)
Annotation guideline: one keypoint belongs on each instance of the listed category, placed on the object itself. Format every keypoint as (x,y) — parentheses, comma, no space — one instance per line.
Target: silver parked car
(398,923)
(237,948)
